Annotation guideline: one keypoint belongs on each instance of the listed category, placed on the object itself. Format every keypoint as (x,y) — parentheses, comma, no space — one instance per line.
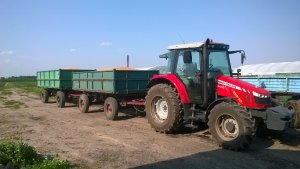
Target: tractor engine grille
(259,100)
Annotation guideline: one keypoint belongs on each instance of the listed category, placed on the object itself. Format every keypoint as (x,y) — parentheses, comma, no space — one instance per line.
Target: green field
(2,84)
(24,86)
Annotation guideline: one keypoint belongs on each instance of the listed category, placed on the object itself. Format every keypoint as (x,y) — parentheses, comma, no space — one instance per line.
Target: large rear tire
(45,96)
(111,108)
(83,103)
(163,108)
(60,99)
(293,107)
(231,126)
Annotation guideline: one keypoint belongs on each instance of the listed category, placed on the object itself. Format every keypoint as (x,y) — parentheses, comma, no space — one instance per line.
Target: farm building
(270,69)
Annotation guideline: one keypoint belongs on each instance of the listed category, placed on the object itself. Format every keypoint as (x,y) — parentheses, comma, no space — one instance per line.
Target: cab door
(188,70)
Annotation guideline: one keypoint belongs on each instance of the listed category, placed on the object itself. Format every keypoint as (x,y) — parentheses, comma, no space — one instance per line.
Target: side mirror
(238,73)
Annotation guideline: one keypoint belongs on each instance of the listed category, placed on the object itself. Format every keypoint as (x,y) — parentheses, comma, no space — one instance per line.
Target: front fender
(212,105)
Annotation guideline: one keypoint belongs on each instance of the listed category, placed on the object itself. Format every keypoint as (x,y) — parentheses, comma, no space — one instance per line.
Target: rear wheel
(83,103)
(163,108)
(293,107)
(60,99)
(111,108)
(231,126)
(44,96)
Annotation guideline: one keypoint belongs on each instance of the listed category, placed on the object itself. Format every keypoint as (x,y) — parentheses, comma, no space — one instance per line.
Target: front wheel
(83,103)
(293,107)
(231,126)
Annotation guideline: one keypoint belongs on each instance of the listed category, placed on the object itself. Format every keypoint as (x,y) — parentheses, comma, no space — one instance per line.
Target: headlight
(259,95)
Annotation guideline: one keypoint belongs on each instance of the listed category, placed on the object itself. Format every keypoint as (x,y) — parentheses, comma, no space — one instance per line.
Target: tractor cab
(196,65)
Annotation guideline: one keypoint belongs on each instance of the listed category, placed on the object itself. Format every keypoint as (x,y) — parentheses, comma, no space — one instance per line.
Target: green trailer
(113,87)
(56,83)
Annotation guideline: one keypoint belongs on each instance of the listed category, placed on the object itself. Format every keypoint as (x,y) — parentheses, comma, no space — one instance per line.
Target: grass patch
(6,92)
(52,164)
(22,155)
(12,104)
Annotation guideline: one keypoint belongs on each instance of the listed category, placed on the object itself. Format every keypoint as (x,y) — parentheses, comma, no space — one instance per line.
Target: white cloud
(7,60)
(6,52)
(105,44)
(73,50)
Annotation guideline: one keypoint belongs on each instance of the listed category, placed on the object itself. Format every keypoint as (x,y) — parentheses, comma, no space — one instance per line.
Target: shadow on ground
(259,156)
(226,159)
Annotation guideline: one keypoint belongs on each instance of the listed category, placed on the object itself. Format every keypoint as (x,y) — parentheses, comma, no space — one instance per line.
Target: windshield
(219,62)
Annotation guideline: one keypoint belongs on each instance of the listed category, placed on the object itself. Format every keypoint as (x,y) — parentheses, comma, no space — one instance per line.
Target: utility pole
(127,60)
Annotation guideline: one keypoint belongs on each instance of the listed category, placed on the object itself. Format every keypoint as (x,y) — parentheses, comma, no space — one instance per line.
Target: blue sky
(50,34)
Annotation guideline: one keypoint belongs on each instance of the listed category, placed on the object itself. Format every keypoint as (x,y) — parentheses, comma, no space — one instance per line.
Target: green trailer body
(56,79)
(113,81)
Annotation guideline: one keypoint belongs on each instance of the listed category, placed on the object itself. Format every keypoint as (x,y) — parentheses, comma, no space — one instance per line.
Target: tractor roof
(186,45)
(191,45)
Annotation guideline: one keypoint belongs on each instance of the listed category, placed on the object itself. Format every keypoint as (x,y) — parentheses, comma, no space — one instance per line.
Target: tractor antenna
(181,38)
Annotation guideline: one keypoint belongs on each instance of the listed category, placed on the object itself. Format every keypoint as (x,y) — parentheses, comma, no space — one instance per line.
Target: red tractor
(198,86)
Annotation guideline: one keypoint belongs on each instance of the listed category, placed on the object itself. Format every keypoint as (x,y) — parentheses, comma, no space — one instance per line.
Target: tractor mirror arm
(242,52)
(165,56)
(236,51)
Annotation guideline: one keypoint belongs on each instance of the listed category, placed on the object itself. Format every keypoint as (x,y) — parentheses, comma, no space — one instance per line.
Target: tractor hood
(243,92)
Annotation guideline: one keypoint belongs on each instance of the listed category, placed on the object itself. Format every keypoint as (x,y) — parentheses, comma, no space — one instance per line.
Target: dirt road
(90,141)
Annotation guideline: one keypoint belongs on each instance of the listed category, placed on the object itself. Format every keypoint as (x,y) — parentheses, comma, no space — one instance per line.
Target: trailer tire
(293,107)
(231,126)
(60,99)
(83,103)
(45,96)
(111,108)
(163,108)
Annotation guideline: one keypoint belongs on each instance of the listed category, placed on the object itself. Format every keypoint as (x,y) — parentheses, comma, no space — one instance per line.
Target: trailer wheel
(231,126)
(83,103)
(60,99)
(45,96)
(163,108)
(292,106)
(111,108)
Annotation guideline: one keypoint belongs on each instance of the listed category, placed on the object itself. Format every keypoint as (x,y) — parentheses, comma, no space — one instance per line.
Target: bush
(21,155)
(17,152)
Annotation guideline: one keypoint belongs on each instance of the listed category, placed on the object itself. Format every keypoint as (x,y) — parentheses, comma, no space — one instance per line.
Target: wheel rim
(109,109)
(161,109)
(227,127)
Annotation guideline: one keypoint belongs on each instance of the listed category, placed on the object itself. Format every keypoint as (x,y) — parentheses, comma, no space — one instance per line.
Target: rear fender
(174,81)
